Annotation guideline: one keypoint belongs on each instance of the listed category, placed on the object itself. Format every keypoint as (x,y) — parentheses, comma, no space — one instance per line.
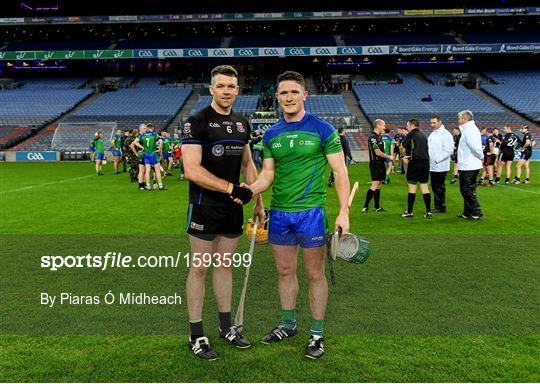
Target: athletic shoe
(142,188)
(163,188)
(279,333)
(437,210)
(100,173)
(365,210)
(454,179)
(463,216)
(380,209)
(496,183)
(407,214)
(235,338)
(315,348)
(517,182)
(428,215)
(527,181)
(506,182)
(473,217)
(201,347)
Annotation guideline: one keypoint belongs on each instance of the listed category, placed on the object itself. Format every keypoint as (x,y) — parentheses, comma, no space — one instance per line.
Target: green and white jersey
(299,151)
(98,145)
(167,147)
(149,140)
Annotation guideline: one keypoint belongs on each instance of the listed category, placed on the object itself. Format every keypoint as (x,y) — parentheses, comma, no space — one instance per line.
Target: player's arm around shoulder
(341,175)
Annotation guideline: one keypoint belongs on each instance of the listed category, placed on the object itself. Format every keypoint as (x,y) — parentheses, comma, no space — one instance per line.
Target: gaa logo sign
(195,52)
(271,52)
(171,53)
(322,51)
(298,52)
(2,55)
(219,52)
(246,52)
(35,156)
(349,51)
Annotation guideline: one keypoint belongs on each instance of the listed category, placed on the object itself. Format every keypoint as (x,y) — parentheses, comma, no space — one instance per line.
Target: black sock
(410,202)
(196,330)
(427,201)
(369,196)
(224,321)
(527,179)
(377,197)
(497,179)
(507,180)
(516,178)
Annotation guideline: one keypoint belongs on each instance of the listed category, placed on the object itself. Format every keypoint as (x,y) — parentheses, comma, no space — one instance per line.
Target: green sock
(317,327)
(288,318)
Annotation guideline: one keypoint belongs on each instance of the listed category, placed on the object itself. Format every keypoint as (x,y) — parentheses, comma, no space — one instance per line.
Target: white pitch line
(523,190)
(45,184)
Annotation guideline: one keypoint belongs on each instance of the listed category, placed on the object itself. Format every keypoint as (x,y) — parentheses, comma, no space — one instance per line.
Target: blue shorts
(100,156)
(91,149)
(117,153)
(150,158)
(306,228)
(167,156)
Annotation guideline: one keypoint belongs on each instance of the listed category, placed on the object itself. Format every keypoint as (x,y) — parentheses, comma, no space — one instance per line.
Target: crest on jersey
(218,150)
(187,128)
(240,127)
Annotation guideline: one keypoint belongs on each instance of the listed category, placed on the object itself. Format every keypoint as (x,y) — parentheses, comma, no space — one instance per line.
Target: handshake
(239,193)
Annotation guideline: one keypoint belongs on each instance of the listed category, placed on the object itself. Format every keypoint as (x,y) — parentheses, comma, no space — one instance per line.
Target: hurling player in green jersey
(116,144)
(100,152)
(296,151)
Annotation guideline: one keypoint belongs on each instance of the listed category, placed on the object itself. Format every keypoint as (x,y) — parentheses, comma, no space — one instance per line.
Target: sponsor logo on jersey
(214,125)
(276,145)
(227,122)
(218,150)
(336,140)
(292,136)
(240,127)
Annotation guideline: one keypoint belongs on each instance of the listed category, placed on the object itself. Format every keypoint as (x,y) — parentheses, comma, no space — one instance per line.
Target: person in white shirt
(470,156)
(441,147)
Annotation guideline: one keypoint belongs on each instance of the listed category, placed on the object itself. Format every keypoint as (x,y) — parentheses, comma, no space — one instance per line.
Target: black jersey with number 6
(222,138)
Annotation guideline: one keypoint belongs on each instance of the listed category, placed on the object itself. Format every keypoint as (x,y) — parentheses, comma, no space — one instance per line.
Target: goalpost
(78,136)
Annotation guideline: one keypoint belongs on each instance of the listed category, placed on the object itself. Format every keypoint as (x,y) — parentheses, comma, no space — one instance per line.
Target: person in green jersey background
(150,143)
(116,144)
(166,151)
(100,152)
(139,155)
(296,151)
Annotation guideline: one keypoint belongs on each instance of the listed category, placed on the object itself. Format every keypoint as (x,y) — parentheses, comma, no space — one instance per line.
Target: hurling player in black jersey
(215,150)
(526,152)
(507,151)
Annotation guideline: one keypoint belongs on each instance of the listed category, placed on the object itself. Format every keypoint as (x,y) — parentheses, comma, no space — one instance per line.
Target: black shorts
(377,170)
(418,172)
(526,155)
(489,159)
(507,156)
(206,222)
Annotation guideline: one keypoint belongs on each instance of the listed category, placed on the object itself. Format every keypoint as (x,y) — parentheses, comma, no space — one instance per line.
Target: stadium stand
(130,107)
(282,41)
(396,103)
(57,45)
(327,105)
(172,43)
(397,38)
(487,37)
(519,91)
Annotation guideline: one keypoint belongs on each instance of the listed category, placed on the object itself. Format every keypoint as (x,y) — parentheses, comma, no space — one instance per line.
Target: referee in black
(215,150)
(377,166)
(417,158)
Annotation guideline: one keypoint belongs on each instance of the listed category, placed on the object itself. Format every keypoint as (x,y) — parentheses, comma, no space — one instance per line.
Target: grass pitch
(440,300)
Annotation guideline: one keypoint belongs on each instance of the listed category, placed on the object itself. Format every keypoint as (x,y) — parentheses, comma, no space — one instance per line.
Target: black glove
(242,193)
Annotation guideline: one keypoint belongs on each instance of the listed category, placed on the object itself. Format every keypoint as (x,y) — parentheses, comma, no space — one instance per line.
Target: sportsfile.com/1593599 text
(118,260)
